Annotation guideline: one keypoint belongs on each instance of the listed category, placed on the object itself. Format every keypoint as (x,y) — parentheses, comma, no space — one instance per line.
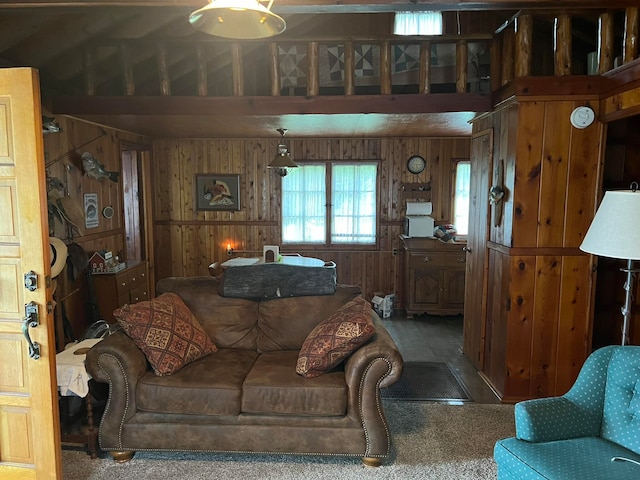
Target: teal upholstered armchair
(591,432)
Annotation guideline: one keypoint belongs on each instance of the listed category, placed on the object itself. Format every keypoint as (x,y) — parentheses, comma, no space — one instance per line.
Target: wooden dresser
(433,276)
(113,290)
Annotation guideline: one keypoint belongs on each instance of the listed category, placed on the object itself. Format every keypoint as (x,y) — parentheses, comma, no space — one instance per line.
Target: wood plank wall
(62,159)
(187,241)
(540,285)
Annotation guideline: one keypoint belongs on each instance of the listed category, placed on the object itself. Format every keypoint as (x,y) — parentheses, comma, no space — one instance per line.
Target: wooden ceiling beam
(340,104)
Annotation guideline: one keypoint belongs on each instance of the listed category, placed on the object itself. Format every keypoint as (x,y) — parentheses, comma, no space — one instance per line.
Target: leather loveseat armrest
(117,361)
(376,364)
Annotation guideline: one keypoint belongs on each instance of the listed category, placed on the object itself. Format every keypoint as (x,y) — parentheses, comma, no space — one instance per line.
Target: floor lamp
(615,233)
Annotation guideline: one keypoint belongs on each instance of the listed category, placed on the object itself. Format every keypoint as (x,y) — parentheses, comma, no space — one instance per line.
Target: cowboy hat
(58,251)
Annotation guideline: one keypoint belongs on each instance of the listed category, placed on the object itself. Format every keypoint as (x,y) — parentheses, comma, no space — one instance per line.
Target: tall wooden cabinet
(113,290)
(433,276)
(529,331)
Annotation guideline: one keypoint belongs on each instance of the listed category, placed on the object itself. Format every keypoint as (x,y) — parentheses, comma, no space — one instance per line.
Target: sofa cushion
(336,338)
(273,388)
(284,323)
(586,458)
(209,386)
(236,328)
(166,331)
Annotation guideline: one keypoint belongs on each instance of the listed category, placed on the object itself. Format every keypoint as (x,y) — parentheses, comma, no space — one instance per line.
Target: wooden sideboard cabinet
(433,276)
(113,290)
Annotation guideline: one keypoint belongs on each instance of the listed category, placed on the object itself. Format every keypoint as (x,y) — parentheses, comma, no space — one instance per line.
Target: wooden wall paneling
(545,332)
(528,169)
(495,346)
(436,176)
(475,307)
(162,184)
(553,175)
(582,181)
(176,245)
(574,320)
(520,312)
(508,155)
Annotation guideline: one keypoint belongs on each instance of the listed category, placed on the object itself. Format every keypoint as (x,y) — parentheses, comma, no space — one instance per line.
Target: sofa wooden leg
(371,461)
(123,456)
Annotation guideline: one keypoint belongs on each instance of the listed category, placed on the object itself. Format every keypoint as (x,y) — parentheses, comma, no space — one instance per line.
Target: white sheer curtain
(304,200)
(353,218)
(461,197)
(417,23)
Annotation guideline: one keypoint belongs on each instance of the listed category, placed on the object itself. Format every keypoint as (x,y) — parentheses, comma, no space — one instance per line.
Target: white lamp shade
(615,230)
(240,19)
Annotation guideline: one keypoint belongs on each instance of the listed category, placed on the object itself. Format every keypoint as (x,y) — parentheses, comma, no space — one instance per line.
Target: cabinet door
(426,287)
(453,289)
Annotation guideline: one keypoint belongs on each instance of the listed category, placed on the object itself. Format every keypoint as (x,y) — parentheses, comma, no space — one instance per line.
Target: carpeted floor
(427,381)
(431,441)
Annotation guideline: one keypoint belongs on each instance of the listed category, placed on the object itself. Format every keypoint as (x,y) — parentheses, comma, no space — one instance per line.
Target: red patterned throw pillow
(166,331)
(335,338)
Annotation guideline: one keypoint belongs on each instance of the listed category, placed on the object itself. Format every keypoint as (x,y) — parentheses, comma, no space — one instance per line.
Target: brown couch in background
(247,396)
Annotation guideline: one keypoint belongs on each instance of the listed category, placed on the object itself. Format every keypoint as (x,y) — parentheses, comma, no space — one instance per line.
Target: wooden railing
(512,48)
(218,67)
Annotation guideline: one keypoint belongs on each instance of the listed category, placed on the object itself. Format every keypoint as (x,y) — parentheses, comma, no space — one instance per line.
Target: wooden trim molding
(535,251)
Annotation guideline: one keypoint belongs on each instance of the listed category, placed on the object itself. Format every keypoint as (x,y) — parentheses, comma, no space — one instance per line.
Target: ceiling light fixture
(282,162)
(239,19)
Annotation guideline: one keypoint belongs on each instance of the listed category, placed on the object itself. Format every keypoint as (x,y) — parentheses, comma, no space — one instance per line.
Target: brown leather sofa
(247,396)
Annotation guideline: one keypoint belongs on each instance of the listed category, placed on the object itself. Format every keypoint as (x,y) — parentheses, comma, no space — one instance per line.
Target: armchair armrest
(117,361)
(556,418)
(376,364)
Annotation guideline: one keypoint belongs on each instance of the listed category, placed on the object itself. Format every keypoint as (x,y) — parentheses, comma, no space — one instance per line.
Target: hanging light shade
(282,162)
(240,19)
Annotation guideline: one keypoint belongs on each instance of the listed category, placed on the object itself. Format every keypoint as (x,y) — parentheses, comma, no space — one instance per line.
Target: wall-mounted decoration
(107,212)
(217,192)
(91,210)
(94,169)
(497,193)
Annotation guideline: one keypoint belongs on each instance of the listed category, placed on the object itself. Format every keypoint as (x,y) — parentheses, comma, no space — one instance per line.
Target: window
(335,201)
(461,197)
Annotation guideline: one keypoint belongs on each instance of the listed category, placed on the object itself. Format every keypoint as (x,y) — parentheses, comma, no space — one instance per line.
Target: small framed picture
(217,192)
(91,219)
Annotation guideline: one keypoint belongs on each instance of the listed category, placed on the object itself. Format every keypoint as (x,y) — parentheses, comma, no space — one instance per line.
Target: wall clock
(416,164)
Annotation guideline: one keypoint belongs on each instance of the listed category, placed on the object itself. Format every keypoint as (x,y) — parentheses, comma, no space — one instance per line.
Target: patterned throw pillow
(335,338)
(166,331)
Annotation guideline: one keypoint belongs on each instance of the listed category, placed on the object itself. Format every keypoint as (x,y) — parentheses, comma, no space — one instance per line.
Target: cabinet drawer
(130,279)
(139,294)
(424,259)
(455,260)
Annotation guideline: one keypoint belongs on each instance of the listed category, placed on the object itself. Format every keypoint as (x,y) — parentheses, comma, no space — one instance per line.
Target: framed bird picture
(217,192)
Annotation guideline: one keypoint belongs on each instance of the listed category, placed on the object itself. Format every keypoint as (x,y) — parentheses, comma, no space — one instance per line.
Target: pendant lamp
(239,19)
(282,162)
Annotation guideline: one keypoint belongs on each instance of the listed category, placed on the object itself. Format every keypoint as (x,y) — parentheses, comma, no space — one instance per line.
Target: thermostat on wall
(582,117)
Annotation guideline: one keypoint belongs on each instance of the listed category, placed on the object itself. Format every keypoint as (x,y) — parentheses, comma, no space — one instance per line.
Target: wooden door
(29,420)
(475,300)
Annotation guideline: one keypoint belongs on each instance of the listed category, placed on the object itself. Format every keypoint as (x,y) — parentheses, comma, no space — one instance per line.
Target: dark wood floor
(427,338)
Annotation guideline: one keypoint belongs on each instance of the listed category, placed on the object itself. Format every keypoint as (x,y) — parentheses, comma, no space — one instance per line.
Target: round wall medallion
(416,164)
(107,212)
(582,117)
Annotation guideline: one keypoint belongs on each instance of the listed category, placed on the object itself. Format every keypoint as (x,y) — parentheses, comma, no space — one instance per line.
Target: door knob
(466,249)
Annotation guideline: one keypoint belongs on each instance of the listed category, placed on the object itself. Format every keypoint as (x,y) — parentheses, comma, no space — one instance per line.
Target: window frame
(328,244)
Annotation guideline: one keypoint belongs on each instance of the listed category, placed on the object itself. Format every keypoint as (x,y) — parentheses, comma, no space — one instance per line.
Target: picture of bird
(94,169)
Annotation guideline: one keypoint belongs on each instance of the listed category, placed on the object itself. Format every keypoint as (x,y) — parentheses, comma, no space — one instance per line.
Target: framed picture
(217,192)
